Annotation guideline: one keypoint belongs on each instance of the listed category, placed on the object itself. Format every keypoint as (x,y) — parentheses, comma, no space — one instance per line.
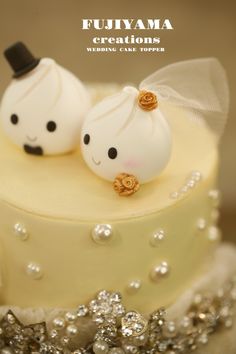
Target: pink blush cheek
(132,164)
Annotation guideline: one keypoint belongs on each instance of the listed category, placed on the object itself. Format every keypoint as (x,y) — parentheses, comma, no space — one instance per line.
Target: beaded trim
(118,331)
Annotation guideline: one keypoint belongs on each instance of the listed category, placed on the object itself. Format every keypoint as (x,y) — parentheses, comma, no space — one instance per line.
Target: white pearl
(191,183)
(201,224)
(184,189)
(160,271)
(214,195)
(20,231)
(174,195)
(157,237)
(100,347)
(71,330)
(70,316)
(196,176)
(59,322)
(134,286)
(102,233)
(34,270)
(213,233)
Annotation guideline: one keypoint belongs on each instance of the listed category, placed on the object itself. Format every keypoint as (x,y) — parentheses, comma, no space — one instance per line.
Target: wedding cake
(132,213)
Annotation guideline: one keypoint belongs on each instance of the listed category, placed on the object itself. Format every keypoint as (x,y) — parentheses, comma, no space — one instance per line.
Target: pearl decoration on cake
(213,233)
(20,231)
(34,270)
(201,224)
(71,330)
(157,237)
(160,271)
(100,347)
(102,233)
(191,181)
(134,286)
(59,322)
(214,195)
(70,316)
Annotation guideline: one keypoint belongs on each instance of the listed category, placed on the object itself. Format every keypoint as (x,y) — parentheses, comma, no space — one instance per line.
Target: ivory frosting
(59,202)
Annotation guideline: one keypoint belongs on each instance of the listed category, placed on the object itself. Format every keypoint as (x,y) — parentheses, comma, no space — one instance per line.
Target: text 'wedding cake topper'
(127,138)
(43,107)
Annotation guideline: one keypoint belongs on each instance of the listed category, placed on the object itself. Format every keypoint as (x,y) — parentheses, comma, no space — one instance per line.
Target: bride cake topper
(43,107)
(127,138)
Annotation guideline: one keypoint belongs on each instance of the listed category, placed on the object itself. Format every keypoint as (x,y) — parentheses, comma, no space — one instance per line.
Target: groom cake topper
(43,107)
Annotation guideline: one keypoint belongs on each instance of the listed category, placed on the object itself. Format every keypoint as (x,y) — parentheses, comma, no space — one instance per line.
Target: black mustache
(34,150)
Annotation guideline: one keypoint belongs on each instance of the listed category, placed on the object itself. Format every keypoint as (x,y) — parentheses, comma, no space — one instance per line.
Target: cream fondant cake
(56,253)
(122,203)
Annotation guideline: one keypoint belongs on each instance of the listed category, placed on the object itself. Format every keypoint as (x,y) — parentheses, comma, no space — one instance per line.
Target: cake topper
(127,138)
(43,107)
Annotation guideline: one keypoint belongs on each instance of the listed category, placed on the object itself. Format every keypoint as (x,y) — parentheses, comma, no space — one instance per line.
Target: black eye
(112,153)
(51,126)
(86,139)
(14,119)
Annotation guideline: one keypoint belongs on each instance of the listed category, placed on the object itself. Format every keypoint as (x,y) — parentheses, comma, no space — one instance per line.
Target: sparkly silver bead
(100,347)
(71,330)
(201,224)
(102,233)
(59,322)
(53,334)
(20,231)
(70,316)
(134,286)
(213,233)
(34,270)
(82,311)
(157,237)
(160,271)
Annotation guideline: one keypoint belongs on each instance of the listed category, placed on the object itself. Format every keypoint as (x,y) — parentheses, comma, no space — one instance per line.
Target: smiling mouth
(96,162)
(31,139)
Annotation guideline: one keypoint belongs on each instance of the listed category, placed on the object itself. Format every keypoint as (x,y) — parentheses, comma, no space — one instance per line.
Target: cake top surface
(63,187)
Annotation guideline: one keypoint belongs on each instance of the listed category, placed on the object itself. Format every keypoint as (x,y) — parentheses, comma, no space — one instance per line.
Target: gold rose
(147,100)
(126,184)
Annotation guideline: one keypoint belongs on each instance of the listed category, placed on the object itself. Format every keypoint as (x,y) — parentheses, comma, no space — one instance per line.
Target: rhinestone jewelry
(20,231)
(160,271)
(34,270)
(157,237)
(133,324)
(102,233)
(122,332)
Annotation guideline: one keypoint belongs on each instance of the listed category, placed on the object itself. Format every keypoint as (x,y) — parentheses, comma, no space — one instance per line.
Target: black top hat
(20,59)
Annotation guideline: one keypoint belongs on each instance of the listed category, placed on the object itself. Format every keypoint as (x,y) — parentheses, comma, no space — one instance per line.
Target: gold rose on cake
(147,100)
(126,184)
